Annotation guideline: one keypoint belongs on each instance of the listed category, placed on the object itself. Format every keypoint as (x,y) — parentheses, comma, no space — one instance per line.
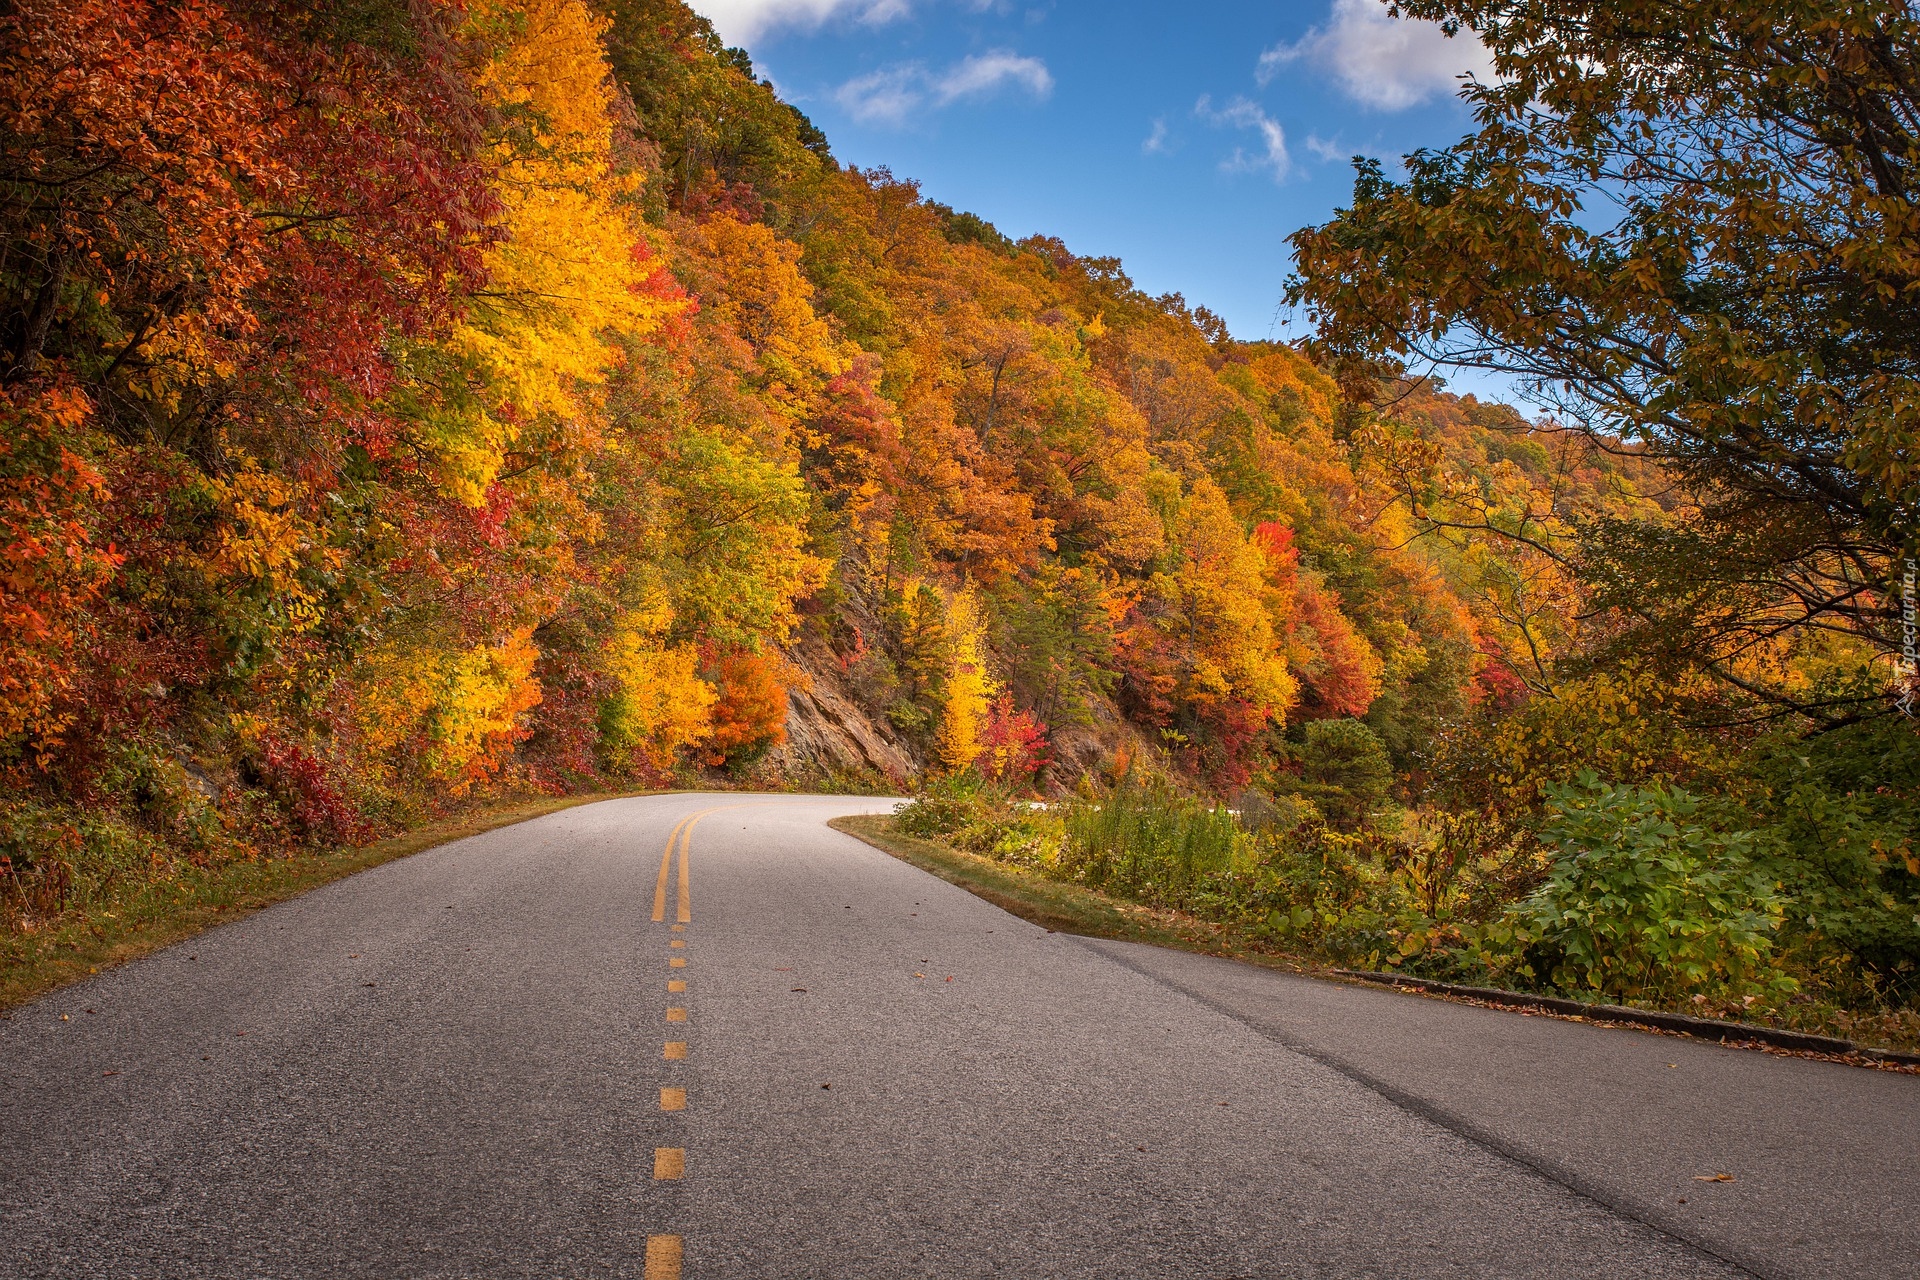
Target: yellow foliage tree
(477,720)
(1627,726)
(1217,590)
(969,689)
(573,263)
(661,704)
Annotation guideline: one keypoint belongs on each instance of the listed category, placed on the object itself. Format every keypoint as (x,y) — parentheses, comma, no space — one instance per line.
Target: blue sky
(1189,139)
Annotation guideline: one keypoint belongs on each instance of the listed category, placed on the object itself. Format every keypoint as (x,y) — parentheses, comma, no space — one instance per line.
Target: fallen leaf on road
(109,1073)
(917,975)
(799,988)
(1713,1177)
(64,1018)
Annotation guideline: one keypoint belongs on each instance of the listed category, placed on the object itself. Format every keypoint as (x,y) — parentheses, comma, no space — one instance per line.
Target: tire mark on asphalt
(1585,1188)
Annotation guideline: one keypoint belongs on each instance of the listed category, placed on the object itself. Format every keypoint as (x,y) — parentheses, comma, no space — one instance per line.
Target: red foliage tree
(751,715)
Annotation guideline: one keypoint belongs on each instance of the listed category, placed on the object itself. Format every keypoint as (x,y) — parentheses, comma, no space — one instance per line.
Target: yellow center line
(670,1163)
(666,860)
(683,901)
(682,836)
(663,1258)
(678,942)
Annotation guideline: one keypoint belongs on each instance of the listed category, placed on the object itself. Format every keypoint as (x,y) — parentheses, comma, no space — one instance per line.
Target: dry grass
(1068,908)
(1064,908)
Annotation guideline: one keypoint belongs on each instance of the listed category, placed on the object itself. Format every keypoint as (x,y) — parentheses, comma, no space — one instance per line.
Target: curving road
(551,1051)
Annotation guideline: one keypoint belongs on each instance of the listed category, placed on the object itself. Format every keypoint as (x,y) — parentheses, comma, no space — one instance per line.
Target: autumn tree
(1692,228)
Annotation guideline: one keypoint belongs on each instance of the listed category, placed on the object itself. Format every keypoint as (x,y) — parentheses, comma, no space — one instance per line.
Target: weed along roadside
(1144,862)
(110,917)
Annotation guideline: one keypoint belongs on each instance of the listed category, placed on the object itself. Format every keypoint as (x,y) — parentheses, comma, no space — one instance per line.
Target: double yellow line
(682,837)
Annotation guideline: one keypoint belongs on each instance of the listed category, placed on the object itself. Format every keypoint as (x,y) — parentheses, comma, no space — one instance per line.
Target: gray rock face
(829,732)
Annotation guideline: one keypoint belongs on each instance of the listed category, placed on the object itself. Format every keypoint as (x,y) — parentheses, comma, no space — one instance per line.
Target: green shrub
(1149,843)
(1838,816)
(981,817)
(1643,901)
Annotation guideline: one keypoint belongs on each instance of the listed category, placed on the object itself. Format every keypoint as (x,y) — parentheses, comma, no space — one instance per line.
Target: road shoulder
(34,965)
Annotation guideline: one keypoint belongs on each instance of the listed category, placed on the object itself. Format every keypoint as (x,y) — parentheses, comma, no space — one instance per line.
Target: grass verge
(1067,908)
(1063,908)
(153,915)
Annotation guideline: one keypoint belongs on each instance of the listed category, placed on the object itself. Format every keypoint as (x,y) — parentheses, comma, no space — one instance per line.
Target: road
(490,1060)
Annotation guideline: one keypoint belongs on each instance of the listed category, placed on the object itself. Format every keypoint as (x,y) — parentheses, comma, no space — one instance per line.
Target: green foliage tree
(1346,770)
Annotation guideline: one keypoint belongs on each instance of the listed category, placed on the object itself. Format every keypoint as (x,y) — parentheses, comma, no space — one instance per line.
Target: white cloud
(739,21)
(1156,142)
(982,74)
(1324,149)
(893,95)
(1272,157)
(883,97)
(1334,151)
(1382,61)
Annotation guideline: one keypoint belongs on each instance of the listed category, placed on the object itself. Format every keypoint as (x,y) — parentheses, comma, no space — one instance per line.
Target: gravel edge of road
(1739,1034)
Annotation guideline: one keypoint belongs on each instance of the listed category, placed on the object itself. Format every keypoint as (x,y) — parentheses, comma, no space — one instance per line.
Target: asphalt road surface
(549,1052)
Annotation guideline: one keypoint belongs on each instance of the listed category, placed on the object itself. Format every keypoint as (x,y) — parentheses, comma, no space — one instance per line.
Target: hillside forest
(409,405)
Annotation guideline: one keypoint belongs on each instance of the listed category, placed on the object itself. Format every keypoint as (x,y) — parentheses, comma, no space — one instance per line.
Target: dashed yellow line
(663,1258)
(670,1163)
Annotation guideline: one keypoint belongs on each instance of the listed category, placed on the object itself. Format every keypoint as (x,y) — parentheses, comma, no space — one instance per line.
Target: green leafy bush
(1644,901)
(1838,817)
(971,813)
